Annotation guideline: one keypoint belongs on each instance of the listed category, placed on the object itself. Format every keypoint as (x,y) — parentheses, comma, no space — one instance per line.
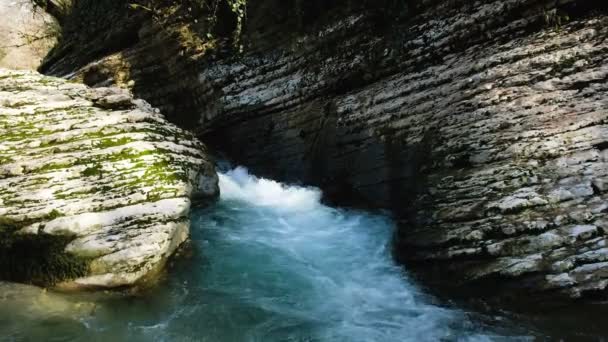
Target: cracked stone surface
(101,169)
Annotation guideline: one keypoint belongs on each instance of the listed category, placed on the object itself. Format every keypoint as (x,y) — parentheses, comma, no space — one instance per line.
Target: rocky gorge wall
(481,125)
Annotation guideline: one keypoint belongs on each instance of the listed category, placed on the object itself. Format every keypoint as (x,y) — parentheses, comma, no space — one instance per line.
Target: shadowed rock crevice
(39,260)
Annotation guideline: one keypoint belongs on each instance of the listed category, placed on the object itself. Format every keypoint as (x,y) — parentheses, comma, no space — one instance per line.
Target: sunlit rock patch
(105,174)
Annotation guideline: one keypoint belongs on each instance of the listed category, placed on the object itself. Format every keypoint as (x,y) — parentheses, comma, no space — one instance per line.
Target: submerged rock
(95,187)
(39,304)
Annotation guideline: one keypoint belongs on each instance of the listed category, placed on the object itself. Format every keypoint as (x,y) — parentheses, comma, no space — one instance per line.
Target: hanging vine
(239,8)
(191,11)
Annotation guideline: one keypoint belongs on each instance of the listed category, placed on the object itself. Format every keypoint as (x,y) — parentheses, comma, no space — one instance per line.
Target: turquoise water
(268,262)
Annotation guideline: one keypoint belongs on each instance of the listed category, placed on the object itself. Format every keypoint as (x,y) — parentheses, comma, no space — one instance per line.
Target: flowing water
(268,262)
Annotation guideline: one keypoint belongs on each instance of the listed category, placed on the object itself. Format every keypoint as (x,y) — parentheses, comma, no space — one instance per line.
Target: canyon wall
(482,125)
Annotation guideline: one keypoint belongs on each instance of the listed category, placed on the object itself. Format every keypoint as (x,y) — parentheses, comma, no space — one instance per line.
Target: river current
(267,262)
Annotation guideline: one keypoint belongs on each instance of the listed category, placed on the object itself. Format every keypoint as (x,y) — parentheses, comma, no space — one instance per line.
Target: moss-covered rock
(95,187)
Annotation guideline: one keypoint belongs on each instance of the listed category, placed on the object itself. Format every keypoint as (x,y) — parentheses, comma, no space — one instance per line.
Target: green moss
(109,142)
(54,214)
(54,166)
(93,171)
(38,259)
(5,77)
(8,225)
(82,193)
(48,81)
(19,104)
(5,160)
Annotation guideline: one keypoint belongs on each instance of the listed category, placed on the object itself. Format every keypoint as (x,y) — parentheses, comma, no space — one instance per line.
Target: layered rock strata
(482,125)
(95,187)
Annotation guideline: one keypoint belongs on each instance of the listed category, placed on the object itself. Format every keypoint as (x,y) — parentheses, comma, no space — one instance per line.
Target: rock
(112,98)
(26,36)
(481,124)
(95,187)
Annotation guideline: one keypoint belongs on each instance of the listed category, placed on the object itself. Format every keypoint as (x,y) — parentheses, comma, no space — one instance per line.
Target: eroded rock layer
(95,187)
(493,152)
(482,125)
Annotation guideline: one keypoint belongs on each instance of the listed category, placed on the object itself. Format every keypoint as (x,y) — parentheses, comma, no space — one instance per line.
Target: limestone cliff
(95,187)
(482,125)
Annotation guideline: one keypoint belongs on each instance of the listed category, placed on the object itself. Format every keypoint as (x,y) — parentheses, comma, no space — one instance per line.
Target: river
(267,262)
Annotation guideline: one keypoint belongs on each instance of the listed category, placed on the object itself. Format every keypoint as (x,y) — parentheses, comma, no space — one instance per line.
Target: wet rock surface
(482,125)
(95,186)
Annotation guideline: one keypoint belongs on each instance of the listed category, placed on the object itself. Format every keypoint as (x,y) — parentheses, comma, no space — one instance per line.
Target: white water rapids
(270,262)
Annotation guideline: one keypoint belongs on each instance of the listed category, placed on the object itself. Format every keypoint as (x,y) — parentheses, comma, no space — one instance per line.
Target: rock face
(26,35)
(95,187)
(482,125)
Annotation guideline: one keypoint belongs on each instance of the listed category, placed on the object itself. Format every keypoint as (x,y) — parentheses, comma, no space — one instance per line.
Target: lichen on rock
(95,187)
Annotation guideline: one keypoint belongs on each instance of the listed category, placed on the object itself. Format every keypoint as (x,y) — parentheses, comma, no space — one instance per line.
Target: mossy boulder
(95,187)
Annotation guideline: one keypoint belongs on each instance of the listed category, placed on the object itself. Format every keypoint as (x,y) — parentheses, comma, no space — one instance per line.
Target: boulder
(95,186)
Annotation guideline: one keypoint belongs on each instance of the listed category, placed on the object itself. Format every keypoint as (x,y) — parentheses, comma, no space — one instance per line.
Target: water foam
(238,184)
(332,269)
